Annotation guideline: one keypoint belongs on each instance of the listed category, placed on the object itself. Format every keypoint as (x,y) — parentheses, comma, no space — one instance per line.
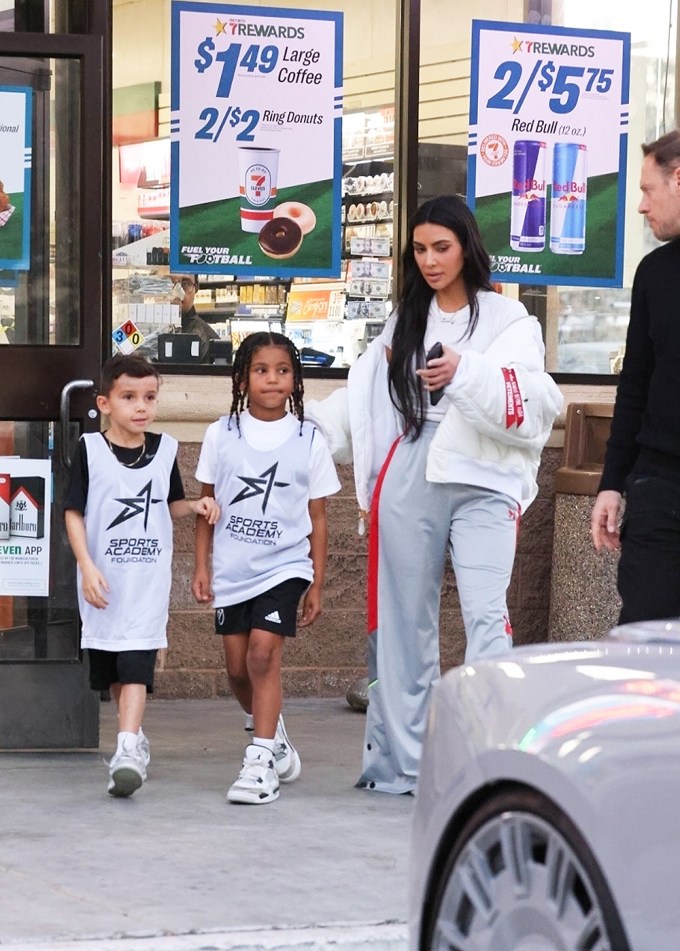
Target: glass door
(52,219)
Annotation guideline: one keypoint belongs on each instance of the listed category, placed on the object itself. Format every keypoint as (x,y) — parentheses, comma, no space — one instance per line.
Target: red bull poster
(547,151)
(25,499)
(256,141)
(15,177)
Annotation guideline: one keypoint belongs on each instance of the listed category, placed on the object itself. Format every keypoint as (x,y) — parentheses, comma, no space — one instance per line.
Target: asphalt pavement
(177,868)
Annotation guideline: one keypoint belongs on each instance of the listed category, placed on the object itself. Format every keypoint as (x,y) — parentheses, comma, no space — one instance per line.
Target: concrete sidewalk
(177,868)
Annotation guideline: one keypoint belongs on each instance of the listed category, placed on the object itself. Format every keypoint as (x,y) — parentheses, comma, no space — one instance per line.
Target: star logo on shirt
(135,506)
(259,485)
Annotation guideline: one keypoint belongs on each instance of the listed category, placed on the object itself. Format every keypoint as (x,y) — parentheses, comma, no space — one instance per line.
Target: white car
(547,812)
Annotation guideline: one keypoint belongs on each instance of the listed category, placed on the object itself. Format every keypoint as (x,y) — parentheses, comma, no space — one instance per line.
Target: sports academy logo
(259,485)
(256,531)
(138,505)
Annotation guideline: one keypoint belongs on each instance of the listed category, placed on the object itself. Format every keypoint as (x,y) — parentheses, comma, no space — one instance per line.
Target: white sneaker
(126,771)
(286,758)
(144,751)
(257,782)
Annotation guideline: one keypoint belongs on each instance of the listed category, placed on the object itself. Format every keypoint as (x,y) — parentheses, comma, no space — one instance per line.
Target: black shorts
(121,667)
(274,610)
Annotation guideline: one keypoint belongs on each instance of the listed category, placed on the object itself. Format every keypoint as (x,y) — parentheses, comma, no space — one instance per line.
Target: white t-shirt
(323,479)
(450,330)
(264,491)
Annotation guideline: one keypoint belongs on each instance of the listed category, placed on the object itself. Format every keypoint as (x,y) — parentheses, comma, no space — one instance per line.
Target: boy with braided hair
(271,471)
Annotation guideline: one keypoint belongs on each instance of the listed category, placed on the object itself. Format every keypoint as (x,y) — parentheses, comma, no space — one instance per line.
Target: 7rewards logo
(139,505)
(259,485)
(552,46)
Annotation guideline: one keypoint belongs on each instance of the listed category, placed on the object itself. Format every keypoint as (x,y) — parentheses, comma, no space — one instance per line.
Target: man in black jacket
(642,459)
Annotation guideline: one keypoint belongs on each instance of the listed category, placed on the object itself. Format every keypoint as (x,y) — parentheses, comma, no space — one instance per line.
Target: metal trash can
(584,602)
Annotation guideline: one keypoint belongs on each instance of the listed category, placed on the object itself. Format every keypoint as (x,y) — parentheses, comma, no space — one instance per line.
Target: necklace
(128,465)
(445,316)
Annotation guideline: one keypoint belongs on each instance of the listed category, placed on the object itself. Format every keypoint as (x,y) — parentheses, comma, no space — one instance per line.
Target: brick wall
(325,659)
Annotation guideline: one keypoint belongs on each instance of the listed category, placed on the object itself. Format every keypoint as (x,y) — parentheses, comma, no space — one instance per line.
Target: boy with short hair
(124,491)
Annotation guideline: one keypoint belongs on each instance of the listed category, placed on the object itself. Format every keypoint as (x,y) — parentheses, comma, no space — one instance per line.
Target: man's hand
(604,520)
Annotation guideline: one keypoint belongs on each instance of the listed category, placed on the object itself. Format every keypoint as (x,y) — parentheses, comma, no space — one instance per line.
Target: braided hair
(241,373)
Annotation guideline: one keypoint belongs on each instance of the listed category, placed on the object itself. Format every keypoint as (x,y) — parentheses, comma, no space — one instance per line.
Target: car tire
(519,875)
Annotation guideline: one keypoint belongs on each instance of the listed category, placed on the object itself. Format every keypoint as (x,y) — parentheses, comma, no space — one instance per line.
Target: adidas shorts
(121,667)
(274,610)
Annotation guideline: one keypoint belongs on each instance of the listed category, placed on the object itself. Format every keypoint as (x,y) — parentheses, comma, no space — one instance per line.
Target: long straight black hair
(413,306)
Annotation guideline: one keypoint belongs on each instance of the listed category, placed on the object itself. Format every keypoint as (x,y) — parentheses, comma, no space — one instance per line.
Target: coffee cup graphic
(258,173)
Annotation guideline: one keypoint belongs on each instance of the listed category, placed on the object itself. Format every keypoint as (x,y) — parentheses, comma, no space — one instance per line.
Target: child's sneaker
(144,751)
(286,758)
(257,782)
(126,771)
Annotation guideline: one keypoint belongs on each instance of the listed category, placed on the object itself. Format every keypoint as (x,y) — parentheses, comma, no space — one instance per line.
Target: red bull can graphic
(569,196)
(527,220)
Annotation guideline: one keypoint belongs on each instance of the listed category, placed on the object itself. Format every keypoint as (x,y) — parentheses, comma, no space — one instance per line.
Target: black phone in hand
(435,351)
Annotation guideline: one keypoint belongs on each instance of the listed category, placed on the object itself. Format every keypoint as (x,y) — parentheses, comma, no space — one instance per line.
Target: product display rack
(367,206)
(367,199)
(141,287)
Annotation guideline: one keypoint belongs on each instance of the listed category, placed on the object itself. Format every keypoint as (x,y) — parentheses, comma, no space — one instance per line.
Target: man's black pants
(649,567)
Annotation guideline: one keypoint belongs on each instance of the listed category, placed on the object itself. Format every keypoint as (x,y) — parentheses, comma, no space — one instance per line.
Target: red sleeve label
(514,406)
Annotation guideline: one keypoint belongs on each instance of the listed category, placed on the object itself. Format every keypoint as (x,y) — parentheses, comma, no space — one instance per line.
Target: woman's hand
(441,370)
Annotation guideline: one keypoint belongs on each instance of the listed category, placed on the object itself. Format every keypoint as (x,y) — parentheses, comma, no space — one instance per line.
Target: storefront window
(332,320)
(584,328)
(40,210)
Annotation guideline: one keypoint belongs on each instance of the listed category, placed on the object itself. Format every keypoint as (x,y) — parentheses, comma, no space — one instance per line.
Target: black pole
(406,115)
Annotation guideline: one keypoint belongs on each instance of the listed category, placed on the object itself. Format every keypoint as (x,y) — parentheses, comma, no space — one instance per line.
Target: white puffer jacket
(361,424)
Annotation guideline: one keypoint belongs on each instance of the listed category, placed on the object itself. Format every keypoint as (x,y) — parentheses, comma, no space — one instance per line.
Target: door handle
(65,415)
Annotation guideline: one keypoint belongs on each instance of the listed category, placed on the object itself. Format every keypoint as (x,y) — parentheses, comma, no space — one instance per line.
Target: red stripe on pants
(373,545)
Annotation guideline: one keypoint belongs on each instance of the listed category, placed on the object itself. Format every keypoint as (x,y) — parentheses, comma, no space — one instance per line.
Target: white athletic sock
(127,741)
(262,741)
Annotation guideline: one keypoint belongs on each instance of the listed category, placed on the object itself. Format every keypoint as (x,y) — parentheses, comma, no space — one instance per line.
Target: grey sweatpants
(417,521)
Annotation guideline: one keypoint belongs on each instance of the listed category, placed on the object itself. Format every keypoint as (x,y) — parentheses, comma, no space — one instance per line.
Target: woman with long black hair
(448,412)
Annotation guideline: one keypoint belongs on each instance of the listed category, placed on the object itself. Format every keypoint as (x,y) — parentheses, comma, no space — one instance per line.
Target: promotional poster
(547,151)
(256,140)
(25,486)
(15,177)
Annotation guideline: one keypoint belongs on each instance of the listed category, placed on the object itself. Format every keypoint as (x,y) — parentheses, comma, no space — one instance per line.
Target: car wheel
(520,877)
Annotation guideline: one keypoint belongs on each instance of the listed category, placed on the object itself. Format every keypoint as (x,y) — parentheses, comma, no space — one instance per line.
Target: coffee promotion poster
(15,177)
(25,502)
(547,151)
(256,135)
